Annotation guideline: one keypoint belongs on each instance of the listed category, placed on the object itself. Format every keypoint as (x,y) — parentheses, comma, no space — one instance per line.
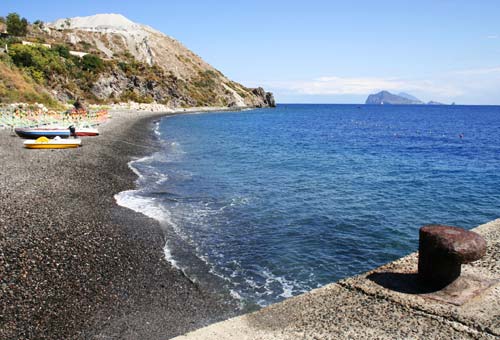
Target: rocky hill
(385,97)
(410,97)
(119,60)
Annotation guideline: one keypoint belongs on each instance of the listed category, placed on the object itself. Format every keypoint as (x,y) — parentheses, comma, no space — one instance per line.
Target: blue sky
(325,51)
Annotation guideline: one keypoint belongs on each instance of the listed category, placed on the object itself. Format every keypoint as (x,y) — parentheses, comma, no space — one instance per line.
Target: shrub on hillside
(62,50)
(92,63)
(38,23)
(133,96)
(206,79)
(9,41)
(37,60)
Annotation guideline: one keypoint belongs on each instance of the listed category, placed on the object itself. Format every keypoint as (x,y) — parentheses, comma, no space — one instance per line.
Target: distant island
(387,98)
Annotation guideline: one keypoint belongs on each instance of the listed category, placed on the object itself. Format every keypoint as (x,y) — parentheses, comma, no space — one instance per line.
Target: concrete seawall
(385,303)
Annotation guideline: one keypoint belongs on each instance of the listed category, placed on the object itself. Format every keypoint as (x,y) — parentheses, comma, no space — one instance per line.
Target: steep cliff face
(181,78)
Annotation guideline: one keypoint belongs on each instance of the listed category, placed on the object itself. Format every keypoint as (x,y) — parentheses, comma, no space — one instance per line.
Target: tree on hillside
(62,50)
(16,26)
(2,20)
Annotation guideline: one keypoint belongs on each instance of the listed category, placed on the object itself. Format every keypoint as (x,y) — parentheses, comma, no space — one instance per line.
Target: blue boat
(34,133)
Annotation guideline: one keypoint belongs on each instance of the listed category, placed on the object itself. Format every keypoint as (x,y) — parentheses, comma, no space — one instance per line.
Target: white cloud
(473,86)
(492,36)
(363,86)
(340,85)
(479,71)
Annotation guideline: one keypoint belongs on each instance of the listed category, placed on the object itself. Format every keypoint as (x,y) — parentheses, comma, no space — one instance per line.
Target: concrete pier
(386,303)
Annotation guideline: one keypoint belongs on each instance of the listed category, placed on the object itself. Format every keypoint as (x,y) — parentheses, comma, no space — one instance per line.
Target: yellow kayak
(56,143)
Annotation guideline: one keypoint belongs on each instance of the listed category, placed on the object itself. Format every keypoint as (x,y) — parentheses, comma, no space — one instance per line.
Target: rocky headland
(106,58)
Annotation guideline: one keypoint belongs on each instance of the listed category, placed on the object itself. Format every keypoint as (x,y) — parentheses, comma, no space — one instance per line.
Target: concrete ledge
(384,303)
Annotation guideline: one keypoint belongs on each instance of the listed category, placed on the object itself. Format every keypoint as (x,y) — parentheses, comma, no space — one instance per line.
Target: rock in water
(270,99)
(266,97)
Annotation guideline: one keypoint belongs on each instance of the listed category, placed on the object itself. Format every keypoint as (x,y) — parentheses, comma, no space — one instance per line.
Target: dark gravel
(75,265)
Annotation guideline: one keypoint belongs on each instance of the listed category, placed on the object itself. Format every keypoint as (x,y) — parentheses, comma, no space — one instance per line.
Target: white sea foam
(176,149)
(238,201)
(144,205)
(169,257)
(134,170)
(148,206)
(162,178)
(140,160)
(156,129)
(253,287)
(289,286)
(235,294)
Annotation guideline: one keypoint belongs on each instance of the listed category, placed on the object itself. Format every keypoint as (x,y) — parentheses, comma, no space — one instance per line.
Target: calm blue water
(277,202)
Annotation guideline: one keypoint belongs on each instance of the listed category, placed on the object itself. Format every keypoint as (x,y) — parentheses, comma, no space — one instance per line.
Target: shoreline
(384,303)
(77,265)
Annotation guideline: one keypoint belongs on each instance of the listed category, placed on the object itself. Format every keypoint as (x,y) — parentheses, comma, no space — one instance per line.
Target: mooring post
(442,250)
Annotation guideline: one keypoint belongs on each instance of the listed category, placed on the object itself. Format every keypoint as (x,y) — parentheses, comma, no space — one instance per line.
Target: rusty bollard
(442,250)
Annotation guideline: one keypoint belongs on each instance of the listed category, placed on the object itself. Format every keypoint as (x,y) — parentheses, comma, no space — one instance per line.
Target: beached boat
(56,143)
(80,131)
(87,132)
(41,132)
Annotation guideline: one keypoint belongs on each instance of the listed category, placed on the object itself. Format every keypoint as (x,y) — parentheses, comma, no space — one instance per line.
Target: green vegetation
(205,79)
(241,90)
(38,23)
(184,59)
(50,67)
(50,62)
(133,68)
(134,96)
(56,67)
(16,25)
(32,63)
(9,41)
(18,87)
(30,73)
(40,62)
(92,63)
(62,50)
(85,46)
(202,89)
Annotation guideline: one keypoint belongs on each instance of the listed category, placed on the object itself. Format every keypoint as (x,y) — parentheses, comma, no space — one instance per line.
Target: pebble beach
(74,264)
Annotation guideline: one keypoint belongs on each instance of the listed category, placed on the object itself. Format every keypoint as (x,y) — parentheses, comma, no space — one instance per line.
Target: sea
(267,204)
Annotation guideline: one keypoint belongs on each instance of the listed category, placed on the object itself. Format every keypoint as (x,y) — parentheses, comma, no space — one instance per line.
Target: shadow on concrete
(407,283)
